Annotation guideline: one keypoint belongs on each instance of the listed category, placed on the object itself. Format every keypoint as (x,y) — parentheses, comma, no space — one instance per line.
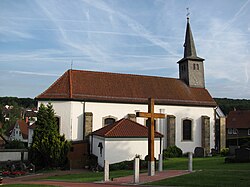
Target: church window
(197,66)
(109,120)
(187,130)
(194,66)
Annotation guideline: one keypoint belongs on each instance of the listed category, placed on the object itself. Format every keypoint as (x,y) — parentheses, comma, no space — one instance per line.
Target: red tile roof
(124,88)
(124,128)
(24,128)
(238,119)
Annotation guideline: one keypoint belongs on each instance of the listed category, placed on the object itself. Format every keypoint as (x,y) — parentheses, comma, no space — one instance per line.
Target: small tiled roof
(23,128)
(124,88)
(238,119)
(124,128)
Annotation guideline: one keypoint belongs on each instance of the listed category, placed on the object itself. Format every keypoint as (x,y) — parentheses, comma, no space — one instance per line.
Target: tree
(49,148)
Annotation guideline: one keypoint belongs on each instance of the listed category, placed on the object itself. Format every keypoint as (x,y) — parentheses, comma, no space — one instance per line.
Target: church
(85,101)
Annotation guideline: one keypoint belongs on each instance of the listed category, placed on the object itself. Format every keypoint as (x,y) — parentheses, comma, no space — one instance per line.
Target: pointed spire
(189,47)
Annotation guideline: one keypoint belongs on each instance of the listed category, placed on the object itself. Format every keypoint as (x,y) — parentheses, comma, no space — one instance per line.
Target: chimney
(132,117)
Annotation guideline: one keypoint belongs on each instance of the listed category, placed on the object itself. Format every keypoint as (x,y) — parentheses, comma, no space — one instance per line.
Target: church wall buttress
(222,132)
(171,130)
(205,134)
(88,124)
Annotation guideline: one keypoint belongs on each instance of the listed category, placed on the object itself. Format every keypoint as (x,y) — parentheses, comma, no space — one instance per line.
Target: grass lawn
(27,185)
(90,176)
(210,172)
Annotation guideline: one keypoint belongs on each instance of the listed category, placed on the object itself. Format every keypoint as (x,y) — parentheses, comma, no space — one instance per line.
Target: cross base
(151,168)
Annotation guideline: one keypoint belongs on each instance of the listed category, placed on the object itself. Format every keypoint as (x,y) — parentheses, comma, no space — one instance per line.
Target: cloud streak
(138,37)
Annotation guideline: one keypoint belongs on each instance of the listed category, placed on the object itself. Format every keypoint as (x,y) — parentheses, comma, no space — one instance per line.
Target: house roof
(124,128)
(124,88)
(24,128)
(238,119)
(33,126)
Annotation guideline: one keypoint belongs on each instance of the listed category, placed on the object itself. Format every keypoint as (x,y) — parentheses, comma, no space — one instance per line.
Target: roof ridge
(52,84)
(116,125)
(130,74)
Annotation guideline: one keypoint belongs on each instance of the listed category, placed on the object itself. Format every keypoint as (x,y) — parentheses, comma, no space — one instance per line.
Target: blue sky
(39,40)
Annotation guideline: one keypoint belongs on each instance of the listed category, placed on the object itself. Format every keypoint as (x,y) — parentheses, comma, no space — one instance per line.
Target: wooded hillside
(228,105)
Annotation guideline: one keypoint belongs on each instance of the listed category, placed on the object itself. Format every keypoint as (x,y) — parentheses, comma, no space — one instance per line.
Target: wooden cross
(151,132)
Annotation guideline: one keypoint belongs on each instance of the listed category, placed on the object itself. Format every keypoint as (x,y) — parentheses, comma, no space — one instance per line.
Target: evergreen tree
(49,148)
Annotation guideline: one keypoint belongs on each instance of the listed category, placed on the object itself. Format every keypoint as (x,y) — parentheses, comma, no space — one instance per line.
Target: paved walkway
(122,181)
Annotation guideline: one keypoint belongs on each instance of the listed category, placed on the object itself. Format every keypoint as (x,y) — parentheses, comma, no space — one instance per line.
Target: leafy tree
(49,148)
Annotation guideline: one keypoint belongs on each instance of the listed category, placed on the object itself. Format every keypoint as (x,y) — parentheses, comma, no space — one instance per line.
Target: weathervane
(188,13)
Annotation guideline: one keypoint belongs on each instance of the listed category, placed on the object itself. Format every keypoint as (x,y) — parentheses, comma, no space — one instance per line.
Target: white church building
(85,101)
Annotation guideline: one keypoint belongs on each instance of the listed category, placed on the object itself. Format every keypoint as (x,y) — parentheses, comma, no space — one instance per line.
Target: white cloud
(34,73)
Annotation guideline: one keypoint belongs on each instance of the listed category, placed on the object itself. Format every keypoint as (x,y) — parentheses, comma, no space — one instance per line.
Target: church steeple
(191,69)
(189,47)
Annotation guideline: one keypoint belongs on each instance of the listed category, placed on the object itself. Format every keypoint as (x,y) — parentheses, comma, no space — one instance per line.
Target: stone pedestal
(151,168)
(160,163)
(106,170)
(136,170)
(190,161)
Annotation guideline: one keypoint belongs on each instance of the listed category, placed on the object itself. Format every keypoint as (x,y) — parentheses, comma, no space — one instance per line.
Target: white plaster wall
(71,115)
(118,150)
(121,149)
(71,118)
(101,110)
(6,155)
(96,149)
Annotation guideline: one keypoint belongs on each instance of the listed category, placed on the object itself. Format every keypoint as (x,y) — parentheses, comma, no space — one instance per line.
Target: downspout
(160,145)
(215,113)
(83,120)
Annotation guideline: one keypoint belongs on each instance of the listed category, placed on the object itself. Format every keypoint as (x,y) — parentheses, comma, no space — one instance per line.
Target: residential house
(238,127)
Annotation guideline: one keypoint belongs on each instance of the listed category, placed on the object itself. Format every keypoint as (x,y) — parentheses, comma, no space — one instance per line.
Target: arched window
(109,120)
(197,66)
(194,66)
(187,129)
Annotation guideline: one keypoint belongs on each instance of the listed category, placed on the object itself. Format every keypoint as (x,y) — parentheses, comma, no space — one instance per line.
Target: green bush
(171,152)
(15,144)
(224,152)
